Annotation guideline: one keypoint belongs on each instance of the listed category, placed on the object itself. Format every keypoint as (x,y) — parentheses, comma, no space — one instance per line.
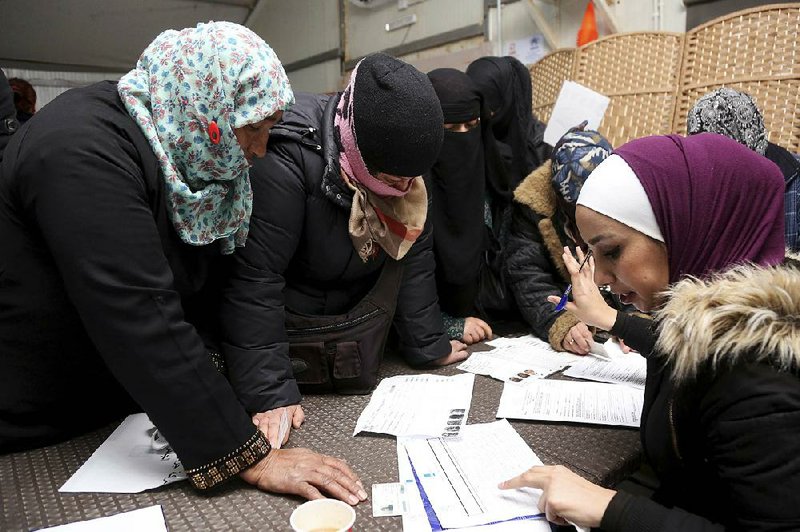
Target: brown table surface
(29,481)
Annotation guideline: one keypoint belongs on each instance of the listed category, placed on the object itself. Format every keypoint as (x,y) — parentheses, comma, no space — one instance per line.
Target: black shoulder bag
(343,353)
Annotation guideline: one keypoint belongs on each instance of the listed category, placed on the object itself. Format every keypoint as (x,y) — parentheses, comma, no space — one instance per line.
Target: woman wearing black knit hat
(506,86)
(340,217)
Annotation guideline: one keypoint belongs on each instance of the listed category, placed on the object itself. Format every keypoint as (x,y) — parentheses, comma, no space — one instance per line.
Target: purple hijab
(717,202)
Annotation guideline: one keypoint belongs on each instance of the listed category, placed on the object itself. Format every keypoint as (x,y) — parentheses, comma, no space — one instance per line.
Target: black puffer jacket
(299,256)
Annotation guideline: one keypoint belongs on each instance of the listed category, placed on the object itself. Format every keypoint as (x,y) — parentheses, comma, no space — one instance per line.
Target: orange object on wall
(588,30)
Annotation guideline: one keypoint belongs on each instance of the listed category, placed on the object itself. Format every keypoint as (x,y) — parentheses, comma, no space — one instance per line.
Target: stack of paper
(518,359)
(418,405)
(581,402)
(452,483)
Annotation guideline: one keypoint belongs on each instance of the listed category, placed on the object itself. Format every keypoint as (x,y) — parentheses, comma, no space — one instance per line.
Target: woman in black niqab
(505,84)
(468,175)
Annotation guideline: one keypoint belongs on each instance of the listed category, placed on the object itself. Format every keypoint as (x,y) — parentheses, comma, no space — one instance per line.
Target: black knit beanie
(398,119)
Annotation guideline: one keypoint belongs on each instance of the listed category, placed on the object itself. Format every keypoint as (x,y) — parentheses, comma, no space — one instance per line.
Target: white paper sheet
(575,103)
(609,350)
(416,520)
(418,405)
(127,462)
(150,519)
(518,359)
(460,475)
(630,369)
(581,402)
(388,499)
(414,517)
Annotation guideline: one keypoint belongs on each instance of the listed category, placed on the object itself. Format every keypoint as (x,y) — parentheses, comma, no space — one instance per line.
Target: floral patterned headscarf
(188,92)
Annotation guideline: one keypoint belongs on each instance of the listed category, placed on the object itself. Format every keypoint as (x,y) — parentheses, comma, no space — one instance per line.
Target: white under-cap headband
(613,190)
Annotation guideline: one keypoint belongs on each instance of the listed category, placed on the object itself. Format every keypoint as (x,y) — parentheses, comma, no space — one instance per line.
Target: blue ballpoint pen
(565,296)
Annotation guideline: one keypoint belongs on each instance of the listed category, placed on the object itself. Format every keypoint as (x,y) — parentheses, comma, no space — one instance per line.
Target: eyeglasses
(565,296)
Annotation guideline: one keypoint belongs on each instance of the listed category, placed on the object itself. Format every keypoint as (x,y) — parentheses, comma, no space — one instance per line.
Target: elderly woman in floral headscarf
(735,114)
(543,222)
(112,206)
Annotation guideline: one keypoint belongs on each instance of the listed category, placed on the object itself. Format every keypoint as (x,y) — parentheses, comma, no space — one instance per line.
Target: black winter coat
(534,266)
(726,443)
(93,286)
(299,256)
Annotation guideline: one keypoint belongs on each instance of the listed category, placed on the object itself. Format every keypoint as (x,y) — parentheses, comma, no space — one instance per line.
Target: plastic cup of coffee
(323,515)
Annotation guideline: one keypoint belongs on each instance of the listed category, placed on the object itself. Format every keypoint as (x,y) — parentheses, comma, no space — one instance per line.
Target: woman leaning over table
(114,200)
(693,229)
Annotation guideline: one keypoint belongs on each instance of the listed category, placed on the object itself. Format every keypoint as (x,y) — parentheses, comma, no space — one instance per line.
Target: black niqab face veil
(505,84)
(467,166)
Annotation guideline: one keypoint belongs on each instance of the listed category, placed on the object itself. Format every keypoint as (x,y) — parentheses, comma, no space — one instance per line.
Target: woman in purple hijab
(692,229)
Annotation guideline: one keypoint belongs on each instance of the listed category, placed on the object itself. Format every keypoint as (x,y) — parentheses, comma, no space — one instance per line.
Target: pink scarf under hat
(380,214)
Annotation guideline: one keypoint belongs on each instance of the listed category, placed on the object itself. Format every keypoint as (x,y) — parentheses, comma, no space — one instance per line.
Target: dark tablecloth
(29,481)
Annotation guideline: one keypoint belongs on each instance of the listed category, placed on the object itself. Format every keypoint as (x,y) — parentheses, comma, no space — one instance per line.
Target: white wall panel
(365,28)
(297,29)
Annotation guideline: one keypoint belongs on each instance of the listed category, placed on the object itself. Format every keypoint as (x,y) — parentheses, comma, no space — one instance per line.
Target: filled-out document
(630,369)
(459,476)
(518,359)
(418,405)
(579,402)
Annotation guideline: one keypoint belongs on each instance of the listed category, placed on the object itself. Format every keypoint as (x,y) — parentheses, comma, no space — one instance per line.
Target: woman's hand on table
(476,330)
(458,353)
(587,301)
(269,422)
(305,473)
(566,497)
(578,339)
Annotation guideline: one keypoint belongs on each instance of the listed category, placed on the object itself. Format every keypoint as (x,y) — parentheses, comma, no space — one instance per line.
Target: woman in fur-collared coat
(693,229)
(542,225)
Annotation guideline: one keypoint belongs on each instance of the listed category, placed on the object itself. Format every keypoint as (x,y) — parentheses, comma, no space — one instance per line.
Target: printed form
(418,405)
(630,370)
(131,460)
(518,359)
(460,475)
(580,402)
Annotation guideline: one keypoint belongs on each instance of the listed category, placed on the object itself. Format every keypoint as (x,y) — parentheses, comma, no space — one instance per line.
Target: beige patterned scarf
(394,223)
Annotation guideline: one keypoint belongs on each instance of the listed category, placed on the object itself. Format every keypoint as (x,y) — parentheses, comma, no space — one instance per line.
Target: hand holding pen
(587,302)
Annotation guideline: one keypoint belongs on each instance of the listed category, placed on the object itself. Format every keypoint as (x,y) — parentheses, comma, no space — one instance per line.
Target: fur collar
(536,192)
(747,313)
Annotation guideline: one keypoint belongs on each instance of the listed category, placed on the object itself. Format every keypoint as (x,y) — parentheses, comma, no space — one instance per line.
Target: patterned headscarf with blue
(574,158)
(188,92)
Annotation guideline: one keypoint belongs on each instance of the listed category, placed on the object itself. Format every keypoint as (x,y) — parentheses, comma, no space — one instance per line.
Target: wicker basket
(639,73)
(755,51)
(547,76)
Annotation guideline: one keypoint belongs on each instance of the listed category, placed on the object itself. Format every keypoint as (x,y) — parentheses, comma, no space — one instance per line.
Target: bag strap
(382,296)
(384,293)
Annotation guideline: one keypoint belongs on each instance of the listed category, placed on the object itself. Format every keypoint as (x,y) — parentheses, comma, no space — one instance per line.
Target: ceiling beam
(607,15)
(543,24)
